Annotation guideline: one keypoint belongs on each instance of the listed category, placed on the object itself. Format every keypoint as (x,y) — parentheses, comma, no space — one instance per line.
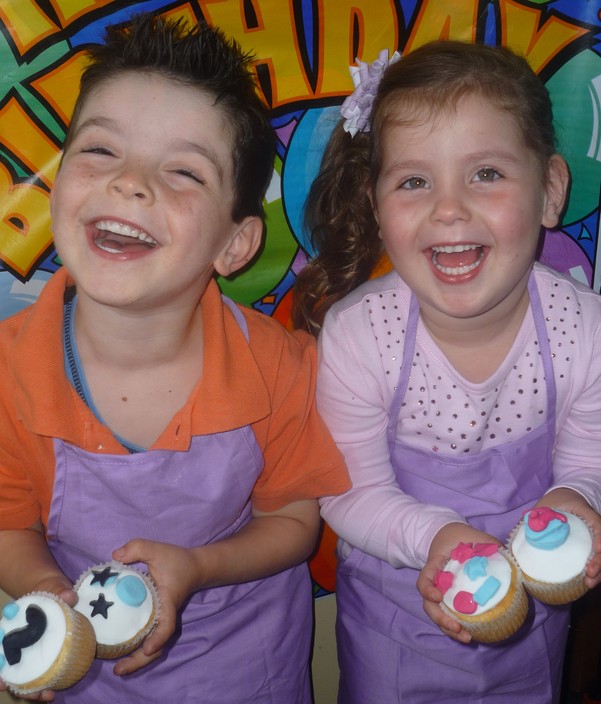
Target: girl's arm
(374,515)
(268,544)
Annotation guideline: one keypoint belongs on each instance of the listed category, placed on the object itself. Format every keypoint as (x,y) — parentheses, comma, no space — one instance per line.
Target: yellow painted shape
(69,10)
(26,23)
(521,32)
(274,42)
(29,144)
(440,19)
(376,30)
(24,224)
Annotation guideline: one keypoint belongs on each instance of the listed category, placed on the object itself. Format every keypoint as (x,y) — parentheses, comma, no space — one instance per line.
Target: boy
(159,423)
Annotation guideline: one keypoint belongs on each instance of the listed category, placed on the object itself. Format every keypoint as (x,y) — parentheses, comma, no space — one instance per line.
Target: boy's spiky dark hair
(202,57)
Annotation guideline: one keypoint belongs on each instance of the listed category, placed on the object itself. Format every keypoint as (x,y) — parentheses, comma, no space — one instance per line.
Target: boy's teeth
(119,228)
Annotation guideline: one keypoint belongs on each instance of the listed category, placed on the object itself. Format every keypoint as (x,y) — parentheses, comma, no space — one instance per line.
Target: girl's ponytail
(343,228)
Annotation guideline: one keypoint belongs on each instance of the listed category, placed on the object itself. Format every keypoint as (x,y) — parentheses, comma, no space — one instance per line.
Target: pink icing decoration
(539,518)
(465,551)
(464,603)
(443,581)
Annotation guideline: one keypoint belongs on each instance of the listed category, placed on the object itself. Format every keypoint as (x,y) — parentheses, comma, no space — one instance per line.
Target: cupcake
(122,605)
(482,589)
(552,549)
(44,644)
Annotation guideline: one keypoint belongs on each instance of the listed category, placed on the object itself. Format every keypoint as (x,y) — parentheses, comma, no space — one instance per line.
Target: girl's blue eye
(487,174)
(414,183)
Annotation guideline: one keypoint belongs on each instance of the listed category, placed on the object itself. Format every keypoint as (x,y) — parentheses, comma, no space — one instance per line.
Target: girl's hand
(575,503)
(444,542)
(171,568)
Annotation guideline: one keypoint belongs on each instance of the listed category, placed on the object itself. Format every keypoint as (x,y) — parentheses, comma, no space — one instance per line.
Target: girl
(464,386)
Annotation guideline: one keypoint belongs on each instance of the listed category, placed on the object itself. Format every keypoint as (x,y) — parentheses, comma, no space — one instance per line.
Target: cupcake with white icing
(44,644)
(552,549)
(482,589)
(122,605)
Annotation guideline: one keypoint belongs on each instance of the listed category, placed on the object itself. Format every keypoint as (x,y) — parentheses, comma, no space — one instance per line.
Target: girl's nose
(450,207)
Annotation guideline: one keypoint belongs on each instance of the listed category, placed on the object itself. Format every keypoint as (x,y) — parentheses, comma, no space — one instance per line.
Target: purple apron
(389,650)
(234,644)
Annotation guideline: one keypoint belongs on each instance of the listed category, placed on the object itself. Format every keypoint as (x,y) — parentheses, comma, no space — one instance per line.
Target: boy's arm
(269,543)
(26,565)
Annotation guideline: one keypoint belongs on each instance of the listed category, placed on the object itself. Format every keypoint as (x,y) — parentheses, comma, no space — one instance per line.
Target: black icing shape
(100,606)
(16,641)
(103,576)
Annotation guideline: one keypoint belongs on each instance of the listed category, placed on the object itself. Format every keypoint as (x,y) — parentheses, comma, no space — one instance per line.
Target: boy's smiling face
(141,206)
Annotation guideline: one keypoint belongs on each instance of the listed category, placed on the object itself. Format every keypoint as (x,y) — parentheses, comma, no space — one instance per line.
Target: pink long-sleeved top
(361,352)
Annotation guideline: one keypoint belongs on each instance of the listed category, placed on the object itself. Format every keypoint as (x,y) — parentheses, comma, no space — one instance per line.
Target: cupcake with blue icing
(122,605)
(482,589)
(44,644)
(552,549)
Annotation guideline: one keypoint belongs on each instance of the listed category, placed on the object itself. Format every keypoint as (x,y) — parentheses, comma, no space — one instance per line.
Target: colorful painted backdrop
(303,50)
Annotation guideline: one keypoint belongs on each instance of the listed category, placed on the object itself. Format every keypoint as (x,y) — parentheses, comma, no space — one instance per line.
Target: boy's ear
(558,180)
(242,247)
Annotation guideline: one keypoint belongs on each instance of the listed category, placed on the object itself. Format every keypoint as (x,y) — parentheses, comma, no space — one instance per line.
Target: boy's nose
(130,186)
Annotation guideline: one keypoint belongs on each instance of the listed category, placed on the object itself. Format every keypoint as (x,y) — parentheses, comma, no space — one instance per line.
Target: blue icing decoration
(2,661)
(131,590)
(475,567)
(486,591)
(10,610)
(554,535)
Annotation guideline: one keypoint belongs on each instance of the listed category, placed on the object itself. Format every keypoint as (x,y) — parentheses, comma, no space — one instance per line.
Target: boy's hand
(573,502)
(444,542)
(46,695)
(58,585)
(171,568)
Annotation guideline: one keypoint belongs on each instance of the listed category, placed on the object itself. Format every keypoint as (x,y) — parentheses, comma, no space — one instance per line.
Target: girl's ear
(558,179)
(241,248)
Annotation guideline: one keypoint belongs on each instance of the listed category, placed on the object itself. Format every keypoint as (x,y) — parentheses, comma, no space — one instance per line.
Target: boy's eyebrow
(183,145)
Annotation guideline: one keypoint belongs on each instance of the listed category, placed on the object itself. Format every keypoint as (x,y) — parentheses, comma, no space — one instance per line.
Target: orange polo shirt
(266,382)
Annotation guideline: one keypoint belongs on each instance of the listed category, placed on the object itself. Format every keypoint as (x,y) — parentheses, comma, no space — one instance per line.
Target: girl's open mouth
(457,259)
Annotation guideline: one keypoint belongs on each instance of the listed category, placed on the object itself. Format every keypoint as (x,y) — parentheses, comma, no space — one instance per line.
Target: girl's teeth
(452,249)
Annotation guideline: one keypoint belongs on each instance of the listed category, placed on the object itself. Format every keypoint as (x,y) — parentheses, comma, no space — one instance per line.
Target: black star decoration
(103,576)
(100,606)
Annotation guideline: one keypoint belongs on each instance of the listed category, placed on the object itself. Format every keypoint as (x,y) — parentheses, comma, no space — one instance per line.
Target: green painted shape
(577,114)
